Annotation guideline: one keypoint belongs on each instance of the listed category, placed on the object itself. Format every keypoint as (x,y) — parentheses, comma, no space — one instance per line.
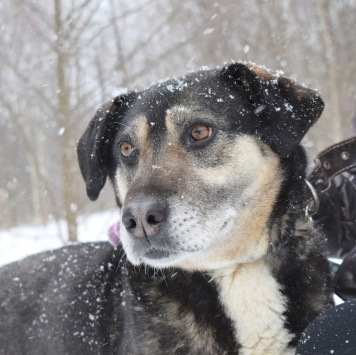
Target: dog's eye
(200,132)
(127,149)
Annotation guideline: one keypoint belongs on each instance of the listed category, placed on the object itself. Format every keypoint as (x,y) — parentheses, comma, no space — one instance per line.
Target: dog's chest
(176,314)
(252,299)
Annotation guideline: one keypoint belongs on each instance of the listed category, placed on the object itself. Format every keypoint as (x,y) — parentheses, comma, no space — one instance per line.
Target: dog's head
(196,162)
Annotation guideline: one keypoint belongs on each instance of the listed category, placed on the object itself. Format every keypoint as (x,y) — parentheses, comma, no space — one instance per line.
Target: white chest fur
(253,300)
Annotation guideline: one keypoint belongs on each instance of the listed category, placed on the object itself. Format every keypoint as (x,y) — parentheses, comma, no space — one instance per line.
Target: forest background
(61,59)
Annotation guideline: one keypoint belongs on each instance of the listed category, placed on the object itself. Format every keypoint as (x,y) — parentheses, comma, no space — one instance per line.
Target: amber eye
(126,149)
(200,132)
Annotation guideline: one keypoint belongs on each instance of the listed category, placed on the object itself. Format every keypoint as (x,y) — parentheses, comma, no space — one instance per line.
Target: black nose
(143,216)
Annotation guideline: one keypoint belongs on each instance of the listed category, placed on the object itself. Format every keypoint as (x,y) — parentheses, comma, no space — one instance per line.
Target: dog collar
(330,162)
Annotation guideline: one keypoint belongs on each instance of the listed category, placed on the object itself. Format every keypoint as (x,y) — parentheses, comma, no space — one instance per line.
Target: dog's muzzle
(144,216)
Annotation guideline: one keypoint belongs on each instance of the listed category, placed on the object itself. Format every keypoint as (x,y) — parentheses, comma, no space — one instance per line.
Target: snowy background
(19,242)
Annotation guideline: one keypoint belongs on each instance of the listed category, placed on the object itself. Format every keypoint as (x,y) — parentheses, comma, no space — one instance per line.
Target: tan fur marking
(169,121)
(163,166)
(261,72)
(198,339)
(252,299)
(173,158)
(121,184)
(142,132)
(248,238)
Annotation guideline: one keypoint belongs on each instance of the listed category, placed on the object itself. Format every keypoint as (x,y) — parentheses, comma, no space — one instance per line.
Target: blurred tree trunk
(63,117)
(332,82)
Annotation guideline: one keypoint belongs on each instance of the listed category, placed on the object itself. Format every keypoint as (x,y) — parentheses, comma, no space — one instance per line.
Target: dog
(216,255)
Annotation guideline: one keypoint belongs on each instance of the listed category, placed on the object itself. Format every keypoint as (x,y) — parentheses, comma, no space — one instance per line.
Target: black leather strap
(329,163)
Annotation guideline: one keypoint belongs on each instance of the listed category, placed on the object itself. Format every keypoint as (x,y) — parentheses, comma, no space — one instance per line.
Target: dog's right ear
(239,75)
(94,147)
(283,110)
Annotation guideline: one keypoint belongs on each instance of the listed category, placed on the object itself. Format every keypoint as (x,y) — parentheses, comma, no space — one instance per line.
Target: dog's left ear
(94,147)
(292,110)
(284,110)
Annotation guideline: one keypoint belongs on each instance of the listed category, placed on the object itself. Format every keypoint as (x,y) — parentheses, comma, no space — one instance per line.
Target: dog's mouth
(169,252)
(155,254)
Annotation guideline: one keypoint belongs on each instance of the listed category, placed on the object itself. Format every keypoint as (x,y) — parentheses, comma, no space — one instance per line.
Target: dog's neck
(253,300)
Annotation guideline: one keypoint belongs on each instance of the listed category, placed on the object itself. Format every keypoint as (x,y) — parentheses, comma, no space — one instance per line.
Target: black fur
(95,146)
(88,299)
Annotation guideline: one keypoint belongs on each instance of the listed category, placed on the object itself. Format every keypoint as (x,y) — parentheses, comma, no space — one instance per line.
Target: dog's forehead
(188,90)
(202,94)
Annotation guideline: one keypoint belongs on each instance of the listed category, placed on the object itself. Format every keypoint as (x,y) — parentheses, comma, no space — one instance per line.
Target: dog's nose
(143,216)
